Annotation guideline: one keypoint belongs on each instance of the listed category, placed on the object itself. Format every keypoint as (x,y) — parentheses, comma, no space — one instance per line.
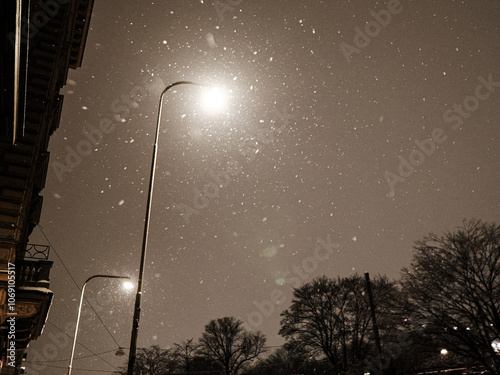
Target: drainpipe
(18,120)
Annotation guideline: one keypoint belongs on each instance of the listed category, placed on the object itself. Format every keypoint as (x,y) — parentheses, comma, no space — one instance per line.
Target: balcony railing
(34,273)
(34,268)
(37,251)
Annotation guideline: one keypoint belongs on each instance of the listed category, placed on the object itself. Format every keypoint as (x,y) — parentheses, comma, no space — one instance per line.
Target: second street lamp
(70,365)
(138,299)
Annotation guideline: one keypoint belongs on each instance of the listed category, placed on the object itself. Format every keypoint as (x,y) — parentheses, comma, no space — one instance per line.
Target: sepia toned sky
(351,130)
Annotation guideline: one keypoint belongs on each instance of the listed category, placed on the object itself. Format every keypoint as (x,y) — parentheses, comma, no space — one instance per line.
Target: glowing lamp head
(128,285)
(214,99)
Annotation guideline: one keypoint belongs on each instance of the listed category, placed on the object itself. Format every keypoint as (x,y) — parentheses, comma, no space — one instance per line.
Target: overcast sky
(351,130)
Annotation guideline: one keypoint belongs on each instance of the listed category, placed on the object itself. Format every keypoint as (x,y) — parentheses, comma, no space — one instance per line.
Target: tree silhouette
(227,343)
(185,355)
(453,291)
(285,361)
(151,361)
(331,318)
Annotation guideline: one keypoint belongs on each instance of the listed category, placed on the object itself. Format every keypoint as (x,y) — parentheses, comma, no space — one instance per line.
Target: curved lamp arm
(70,365)
(137,308)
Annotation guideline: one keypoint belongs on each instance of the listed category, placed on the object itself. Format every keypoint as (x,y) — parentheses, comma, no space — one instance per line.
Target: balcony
(34,270)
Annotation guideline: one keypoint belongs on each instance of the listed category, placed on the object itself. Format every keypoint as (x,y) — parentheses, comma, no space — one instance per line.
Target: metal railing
(34,251)
(30,272)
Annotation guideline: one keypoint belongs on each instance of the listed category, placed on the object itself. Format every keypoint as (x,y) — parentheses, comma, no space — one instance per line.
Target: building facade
(41,40)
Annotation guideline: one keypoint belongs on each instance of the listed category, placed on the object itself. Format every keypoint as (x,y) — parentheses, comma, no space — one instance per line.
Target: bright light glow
(496,345)
(128,285)
(444,351)
(214,99)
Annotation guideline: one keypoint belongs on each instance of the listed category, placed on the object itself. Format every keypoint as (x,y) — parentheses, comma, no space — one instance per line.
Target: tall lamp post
(70,365)
(137,309)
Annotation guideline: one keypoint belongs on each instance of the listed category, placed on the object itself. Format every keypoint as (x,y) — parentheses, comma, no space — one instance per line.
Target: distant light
(496,345)
(214,99)
(128,285)
(444,351)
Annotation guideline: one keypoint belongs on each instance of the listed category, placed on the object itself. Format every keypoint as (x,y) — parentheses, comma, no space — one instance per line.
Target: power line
(81,357)
(90,350)
(72,278)
(81,369)
(74,281)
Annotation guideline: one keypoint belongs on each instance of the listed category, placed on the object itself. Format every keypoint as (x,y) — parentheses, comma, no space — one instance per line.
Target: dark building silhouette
(40,41)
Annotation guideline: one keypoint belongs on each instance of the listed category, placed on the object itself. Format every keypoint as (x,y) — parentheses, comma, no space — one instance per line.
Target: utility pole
(374,320)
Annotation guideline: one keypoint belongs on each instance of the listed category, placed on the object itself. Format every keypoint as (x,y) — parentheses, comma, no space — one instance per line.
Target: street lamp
(70,365)
(137,308)
(214,99)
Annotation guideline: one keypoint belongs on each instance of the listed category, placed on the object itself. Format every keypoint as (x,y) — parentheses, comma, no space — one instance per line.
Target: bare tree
(331,318)
(285,361)
(185,354)
(151,361)
(453,289)
(226,342)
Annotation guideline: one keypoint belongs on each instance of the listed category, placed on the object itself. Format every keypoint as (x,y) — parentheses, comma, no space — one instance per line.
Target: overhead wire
(261,366)
(90,350)
(79,288)
(75,358)
(72,278)
(82,369)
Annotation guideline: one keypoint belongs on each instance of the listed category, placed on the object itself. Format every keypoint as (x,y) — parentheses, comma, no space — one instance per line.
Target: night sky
(352,130)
